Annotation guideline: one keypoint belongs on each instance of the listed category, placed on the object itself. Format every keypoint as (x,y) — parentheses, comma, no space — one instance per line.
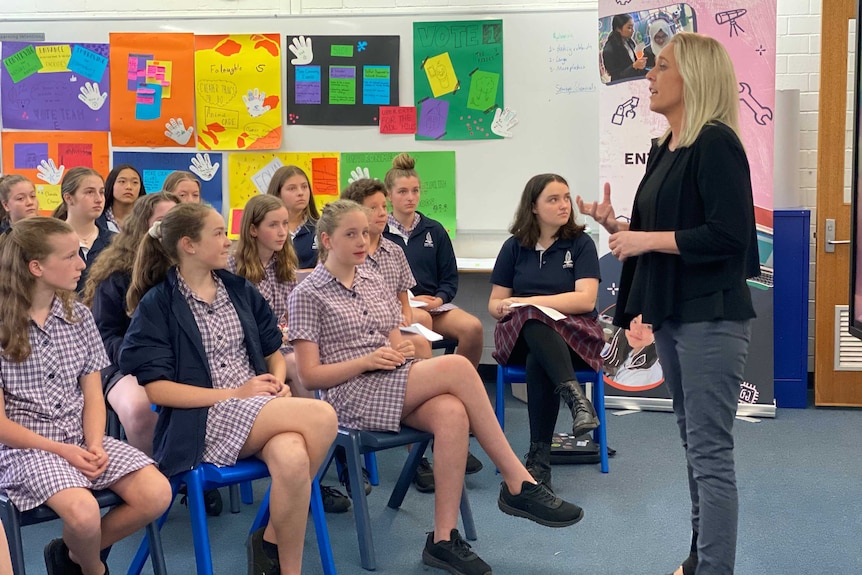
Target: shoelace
(333,492)
(545,496)
(459,547)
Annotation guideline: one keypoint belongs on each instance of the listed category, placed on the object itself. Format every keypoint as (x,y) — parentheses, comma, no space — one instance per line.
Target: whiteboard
(550,79)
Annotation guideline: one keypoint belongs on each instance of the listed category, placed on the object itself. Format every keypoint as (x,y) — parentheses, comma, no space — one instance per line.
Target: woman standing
(686,255)
(618,55)
(291,184)
(123,187)
(548,261)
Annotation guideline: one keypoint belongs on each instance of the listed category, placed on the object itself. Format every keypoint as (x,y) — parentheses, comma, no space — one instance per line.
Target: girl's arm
(581,300)
(94,409)
(406,310)
(499,295)
(17,436)
(315,375)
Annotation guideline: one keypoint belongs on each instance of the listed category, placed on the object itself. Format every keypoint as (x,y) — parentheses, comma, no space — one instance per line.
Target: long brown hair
(525,226)
(248,264)
(25,242)
(158,251)
(69,186)
(119,256)
(283,174)
(6,183)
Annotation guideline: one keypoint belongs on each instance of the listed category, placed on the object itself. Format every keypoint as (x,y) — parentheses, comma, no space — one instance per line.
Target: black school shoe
(454,556)
(424,477)
(57,559)
(259,562)
(473,464)
(334,501)
(538,503)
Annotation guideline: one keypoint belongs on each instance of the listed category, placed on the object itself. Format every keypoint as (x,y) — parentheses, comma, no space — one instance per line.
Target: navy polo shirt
(305,245)
(528,271)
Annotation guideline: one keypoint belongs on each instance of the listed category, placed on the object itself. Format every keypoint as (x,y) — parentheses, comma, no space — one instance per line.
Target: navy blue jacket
(102,241)
(305,245)
(109,312)
(432,259)
(163,343)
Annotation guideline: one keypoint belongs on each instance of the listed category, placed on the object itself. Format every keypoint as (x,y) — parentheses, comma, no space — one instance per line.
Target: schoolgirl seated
(291,184)
(83,193)
(183,185)
(123,187)
(205,344)
(348,345)
(18,200)
(53,448)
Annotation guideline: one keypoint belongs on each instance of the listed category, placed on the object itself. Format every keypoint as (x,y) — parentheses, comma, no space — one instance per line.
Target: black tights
(549,361)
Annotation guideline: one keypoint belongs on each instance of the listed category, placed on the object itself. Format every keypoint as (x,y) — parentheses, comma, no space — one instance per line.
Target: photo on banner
(44,157)
(630,38)
(341,80)
(55,86)
(238,98)
(156,166)
(457,79)
(152,79)
(436,179)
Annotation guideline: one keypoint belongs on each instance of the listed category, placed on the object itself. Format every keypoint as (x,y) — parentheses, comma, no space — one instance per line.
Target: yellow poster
(238,97)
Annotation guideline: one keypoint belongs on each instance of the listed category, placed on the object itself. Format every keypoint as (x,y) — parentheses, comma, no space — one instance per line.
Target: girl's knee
(286,457)
(451,415)
(80,513)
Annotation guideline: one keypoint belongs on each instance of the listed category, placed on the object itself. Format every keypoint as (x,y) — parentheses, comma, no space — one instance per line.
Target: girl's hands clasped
(388,358)
(91,463)
(264,384)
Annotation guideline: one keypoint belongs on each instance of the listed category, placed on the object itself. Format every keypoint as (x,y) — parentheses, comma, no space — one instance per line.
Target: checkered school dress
(348,323)
(43,394)
(274,292)
(229,421)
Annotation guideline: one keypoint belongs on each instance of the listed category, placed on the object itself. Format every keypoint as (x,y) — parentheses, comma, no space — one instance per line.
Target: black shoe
(538,462)
(455,556)
(537,503)
(213,502)
(344,479)
(473,464)
(334,501)
(57,559)
(424,478)
(584,417)
(259,562)
(689,566)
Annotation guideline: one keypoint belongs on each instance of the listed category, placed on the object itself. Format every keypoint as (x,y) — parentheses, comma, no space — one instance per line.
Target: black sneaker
(334,501)
(473,464)
(454,556)
(344,479)
(57,559)
(259,562)
(424,478)
(538,503)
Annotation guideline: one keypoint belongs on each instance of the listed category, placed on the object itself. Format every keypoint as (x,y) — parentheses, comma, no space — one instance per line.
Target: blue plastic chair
(207,476)
(516,373)
(14,520)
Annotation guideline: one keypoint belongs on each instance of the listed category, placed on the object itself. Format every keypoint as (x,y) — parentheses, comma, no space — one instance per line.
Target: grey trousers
(703,365)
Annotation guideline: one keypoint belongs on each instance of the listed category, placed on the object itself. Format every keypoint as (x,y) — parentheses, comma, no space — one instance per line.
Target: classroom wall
(797,66)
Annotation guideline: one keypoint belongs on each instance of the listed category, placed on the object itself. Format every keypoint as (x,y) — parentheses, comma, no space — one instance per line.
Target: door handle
(831,242)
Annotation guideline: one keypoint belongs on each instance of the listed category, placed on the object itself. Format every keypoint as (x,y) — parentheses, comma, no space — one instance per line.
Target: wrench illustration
(761,113)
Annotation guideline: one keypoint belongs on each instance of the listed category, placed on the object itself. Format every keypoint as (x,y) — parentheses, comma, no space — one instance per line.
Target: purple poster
(66,89)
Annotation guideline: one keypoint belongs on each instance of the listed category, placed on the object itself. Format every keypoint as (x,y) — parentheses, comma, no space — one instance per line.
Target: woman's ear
(187,245)
(326,241)
(252,231)
(35,268)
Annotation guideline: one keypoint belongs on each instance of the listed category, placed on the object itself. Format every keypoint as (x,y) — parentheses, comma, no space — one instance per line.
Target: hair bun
(155,230)
(403,161)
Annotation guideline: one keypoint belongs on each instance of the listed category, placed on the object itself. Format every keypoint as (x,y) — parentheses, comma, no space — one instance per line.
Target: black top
(703,194)
(109,312)
(618,60)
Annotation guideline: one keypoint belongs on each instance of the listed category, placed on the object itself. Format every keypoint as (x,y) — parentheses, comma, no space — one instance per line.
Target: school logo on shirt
(567,261)
(429,243)
(314,242)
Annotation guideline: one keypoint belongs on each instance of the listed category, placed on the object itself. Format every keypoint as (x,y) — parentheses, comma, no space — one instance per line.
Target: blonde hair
(403,166)
(710,90)
(330,219)
(174,179)
(6,184)
(248,264)
(69,186)
(25,242)
(281,176)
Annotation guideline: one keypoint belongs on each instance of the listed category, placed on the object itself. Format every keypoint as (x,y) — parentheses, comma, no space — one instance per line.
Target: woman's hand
(639,64)
(384,358)
(265,384)
(432,301)
(626,245)
(602,213)
(406,348)
(504,308)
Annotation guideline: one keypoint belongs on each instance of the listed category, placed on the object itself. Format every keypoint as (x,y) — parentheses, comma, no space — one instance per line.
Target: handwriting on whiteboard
(567,61)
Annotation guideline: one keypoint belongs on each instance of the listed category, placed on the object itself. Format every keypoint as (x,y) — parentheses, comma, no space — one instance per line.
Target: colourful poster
(153,101)
(458,80)
(249,174)
(436,174)
(238,98)
(341,80)
(51,86)
(44,157)
(156,166)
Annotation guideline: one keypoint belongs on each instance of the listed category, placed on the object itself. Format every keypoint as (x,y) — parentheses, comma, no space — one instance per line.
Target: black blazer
(618,62)
(109,312)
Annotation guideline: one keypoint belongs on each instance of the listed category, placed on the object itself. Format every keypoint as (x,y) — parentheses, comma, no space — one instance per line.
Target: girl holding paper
(549,261)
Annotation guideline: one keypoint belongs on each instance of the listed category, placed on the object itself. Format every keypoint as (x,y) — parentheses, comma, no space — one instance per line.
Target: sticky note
(22,64)
(159,72)
(87,63)
(397,120)
(341,50)
(441,74)
(148,102)
(137,70)
(54,58)
(483,90)
(155,179)
(433,114)
(307,87)
(234,221)
(342,85)
(375,85)
(324,175)
(49,197)
(29,156)
(74,155)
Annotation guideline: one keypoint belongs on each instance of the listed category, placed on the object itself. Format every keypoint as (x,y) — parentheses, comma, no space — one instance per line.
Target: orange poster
(152,90)
(44,157)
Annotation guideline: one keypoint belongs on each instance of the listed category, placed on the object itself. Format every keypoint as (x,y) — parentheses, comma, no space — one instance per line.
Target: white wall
(798,58)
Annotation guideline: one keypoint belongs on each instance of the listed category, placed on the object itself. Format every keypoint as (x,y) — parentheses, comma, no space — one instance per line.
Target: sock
(270,550)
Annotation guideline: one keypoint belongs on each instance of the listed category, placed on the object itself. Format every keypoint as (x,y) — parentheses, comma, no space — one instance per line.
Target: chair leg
(407,473)
(360,503)
(467,516)
(324,546)
(233,495)
(12,523)
(602,429)
(500,404)
(197,511)
(143,552)
(371,467)
(157,554)
(247,492)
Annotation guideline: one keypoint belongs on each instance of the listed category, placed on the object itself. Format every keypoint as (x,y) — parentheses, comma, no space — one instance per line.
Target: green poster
(22,64)
(458,78)
(436,177)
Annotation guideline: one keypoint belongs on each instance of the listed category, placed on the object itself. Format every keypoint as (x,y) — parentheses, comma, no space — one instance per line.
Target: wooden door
(833,386)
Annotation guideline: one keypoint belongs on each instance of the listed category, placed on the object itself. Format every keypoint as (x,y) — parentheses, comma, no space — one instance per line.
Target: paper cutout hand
(203,167)
(358,174)
(504,121)
(177,131)
(254,103)
(49,172)
(301,48)
(90,95)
